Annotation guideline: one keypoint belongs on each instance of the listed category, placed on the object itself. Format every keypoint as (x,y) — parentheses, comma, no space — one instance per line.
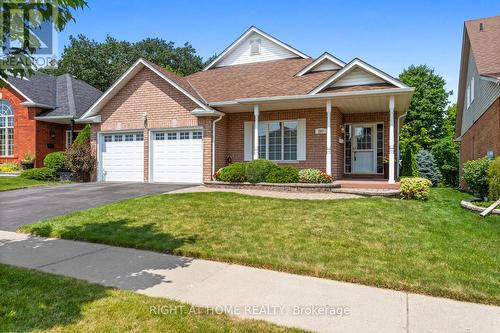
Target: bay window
(6,129)
(278,140)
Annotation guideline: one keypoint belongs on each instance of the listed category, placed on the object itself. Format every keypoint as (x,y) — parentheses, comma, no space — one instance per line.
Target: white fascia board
(242,37)
(19,92)
(324,56)
(89,120)
(205,113)
(491,79)
(389,91)
(358,63)
(134,69)
(36,105)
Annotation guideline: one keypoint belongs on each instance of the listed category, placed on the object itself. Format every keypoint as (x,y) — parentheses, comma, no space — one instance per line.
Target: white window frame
(267,122)
(472,84)
(7,142)
(68,134)
(374,146)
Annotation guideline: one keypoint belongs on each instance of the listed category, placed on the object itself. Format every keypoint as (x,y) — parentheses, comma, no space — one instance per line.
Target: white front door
(122,157)
(363,149)
(177,156)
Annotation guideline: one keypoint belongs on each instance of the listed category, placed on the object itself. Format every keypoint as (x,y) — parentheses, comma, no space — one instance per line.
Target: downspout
(213,144)
(399,150)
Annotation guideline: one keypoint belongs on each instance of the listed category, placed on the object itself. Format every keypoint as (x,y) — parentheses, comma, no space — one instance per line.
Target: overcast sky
(390,35)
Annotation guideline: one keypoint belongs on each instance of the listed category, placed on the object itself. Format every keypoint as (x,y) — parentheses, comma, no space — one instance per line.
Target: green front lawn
(432,247)
(34,301)
(14,183)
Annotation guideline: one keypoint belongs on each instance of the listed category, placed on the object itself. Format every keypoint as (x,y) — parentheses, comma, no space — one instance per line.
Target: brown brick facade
(483,136)
(32,136)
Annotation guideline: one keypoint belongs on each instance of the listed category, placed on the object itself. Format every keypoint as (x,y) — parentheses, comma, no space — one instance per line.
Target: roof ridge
(71,97)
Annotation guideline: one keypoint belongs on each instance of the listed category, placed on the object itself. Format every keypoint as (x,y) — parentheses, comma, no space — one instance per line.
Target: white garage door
(177,156)
(122,157)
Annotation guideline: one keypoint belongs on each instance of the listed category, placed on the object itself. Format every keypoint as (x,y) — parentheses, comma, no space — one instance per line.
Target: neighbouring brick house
(260,98)
(478,105)
(37,114)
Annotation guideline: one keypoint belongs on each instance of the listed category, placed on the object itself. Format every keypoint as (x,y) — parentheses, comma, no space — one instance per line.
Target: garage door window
(184,135)
(118,138)
(139,137)
(108,138)
(197,135)
(129,137)
(159,136)
(172,136)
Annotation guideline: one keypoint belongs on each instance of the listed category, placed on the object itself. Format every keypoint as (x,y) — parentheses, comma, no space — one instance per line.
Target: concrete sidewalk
(285,299)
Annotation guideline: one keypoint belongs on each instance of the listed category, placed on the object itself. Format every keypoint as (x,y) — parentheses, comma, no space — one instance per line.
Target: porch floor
(381,184)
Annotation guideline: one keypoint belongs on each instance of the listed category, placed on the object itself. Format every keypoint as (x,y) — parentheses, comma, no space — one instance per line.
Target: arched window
(6,129)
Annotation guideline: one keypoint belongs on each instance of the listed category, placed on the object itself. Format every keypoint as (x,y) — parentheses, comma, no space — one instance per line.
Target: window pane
(184,135)
(118,138)
(347,143)
(275,141)
(139,137)
(197,135)
(107,138)
(380,148)
(172,136)
(363,137)
(10,141)
(159,136)
(129,137)
(2,142)
(290,140)
(262,140)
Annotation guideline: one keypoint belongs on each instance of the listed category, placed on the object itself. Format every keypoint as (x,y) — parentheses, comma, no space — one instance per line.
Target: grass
(14,183)
(34,301)
(433,247)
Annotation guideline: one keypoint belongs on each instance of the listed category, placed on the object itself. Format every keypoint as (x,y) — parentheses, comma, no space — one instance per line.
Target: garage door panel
(175,159)
(122,157)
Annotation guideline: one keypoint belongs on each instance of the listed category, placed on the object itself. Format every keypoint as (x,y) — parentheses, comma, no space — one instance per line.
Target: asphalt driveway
(20,207)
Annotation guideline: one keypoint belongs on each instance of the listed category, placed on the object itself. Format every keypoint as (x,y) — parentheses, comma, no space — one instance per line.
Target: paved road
(281,298)
(30,205)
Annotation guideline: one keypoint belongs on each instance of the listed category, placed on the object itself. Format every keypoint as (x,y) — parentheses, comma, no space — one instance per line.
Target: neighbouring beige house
(478,105)
(260,98)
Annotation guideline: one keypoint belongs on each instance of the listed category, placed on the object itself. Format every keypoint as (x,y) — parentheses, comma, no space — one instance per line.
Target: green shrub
(427,167)
(9,167)
(234,173)
(283,174)
(446,152)
(55,161)
(80,161)
(494,179)
(476,176)
(314,176)
(409,164)
(256,171)
(45,174)
(83,136)
(415,188)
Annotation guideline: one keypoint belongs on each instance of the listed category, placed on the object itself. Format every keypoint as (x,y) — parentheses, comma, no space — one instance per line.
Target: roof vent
(481,26)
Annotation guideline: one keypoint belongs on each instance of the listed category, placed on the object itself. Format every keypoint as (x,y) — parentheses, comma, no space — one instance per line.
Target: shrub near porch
(432,247)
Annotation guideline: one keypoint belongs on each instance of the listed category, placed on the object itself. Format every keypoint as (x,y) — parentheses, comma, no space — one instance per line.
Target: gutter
(213,144)
(392,91)
(37,105)
(399,141)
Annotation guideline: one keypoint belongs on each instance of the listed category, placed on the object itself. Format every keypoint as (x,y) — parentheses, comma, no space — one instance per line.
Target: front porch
(352,137)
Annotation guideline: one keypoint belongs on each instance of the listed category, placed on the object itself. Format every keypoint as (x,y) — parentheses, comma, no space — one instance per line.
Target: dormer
(325,62)
(255,46)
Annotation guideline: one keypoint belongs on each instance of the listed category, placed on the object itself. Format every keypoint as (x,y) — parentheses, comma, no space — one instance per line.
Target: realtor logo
(28,30)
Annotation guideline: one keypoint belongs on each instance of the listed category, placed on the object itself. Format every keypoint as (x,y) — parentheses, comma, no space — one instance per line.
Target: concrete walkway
(285,299)
(271,194)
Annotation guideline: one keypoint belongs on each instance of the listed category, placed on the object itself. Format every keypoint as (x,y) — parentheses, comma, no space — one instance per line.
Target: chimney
(481,26)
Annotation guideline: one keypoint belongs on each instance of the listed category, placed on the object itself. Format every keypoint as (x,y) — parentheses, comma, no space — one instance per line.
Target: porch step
(371,192)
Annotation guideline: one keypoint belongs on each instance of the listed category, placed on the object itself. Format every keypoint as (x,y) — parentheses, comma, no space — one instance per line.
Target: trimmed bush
(409,164)
(234,173)
(314,176)
(80,161)
(257,170)
(446,153)
(283,174)
(9,167)
(494,179)
(476,176)
(427,167)
(45,174)
(83,136)
(55,161)
(415,188)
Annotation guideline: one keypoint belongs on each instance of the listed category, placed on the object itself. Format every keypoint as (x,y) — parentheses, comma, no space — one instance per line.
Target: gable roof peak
(286,50)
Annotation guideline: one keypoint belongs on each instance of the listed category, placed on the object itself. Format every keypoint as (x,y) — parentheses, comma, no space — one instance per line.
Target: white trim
(131,72)
(324,56)
(389,91)
(29,100)
(67,136)
(491,79)
(246,34)
(213,144)
(256,113)
(282,121)
(358,63)
(391,141)
(329,137)
(373,125)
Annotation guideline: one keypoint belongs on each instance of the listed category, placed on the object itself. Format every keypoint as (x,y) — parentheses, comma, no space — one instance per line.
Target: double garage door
(175,156)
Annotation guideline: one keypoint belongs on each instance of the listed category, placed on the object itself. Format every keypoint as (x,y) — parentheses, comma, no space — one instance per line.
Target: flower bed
(289,187)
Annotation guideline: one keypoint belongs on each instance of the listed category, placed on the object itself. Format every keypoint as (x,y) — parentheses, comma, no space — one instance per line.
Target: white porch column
(391,140)
(329,137)
(256,132)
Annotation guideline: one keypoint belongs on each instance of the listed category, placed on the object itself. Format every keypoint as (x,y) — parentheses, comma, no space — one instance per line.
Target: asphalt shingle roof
(62,95)
(485,45)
